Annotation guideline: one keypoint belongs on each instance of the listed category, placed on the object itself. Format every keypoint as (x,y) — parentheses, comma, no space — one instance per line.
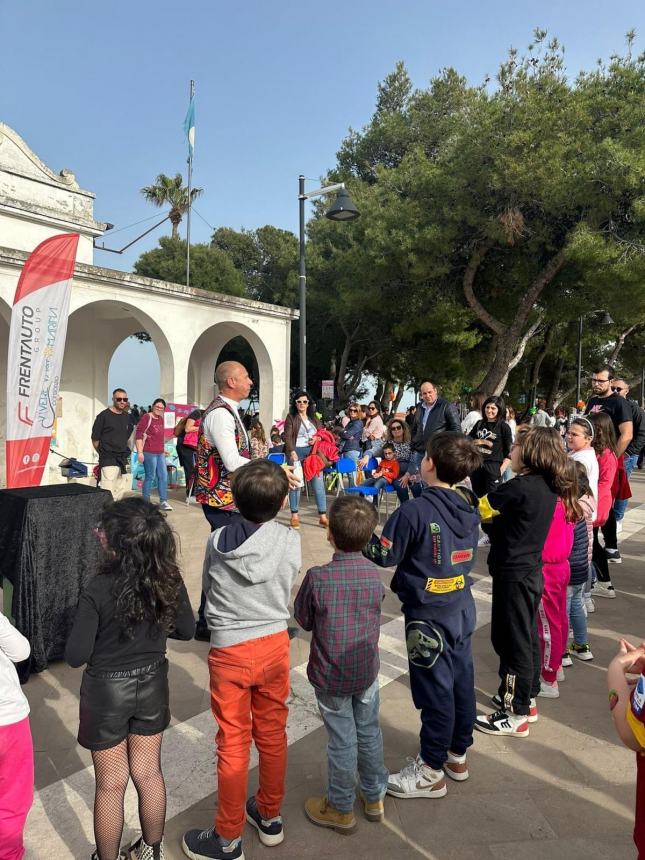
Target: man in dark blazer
(433,415)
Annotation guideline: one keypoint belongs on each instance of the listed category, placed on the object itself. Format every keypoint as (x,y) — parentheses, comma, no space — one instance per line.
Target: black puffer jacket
(579,558)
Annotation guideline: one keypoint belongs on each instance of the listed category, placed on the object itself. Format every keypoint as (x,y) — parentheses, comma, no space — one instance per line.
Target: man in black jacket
(434,414)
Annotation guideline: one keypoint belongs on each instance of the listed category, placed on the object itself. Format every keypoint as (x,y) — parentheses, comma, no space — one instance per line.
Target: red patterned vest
(213,478)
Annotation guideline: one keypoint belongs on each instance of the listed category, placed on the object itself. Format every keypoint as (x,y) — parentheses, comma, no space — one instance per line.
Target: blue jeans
(355,456)
(415,469)
(317,484)
(377,483)
(355,743)
(620,505)
(155,464)
(401,492)
(576,612)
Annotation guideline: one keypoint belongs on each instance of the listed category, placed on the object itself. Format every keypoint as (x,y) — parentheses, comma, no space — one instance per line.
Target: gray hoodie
(248,586)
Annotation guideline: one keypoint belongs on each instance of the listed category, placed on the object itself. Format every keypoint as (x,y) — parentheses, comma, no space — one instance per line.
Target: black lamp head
(342,209)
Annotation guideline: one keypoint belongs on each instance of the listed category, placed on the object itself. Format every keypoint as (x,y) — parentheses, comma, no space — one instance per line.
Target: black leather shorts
(114,705)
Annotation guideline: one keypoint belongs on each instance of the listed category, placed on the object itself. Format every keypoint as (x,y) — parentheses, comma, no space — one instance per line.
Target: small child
(553,621)
(124,617)
(258,440)
(627,706)
(340,603)
(604,444)
(579,561)
(249,568)
(387,472)
(520,513)
(16,747)
(433,542)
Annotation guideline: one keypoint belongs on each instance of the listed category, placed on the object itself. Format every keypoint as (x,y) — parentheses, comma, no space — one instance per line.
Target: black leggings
(599,558)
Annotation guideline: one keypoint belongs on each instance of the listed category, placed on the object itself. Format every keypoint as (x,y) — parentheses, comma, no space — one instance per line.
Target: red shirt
(389,470)
(153,429)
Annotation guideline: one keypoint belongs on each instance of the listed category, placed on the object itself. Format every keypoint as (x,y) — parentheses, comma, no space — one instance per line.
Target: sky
(103,90)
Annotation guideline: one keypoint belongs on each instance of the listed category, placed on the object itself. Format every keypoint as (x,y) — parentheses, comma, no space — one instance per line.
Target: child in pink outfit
(16,748)
(553,627)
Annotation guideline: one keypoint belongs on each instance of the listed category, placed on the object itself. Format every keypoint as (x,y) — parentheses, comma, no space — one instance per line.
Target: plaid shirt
(340,603)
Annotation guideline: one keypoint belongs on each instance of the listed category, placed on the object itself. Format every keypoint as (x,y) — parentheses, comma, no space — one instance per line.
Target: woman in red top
(604,443)
(149,441)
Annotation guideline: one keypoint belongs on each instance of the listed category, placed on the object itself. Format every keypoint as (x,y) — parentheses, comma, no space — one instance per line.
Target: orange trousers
(249,689)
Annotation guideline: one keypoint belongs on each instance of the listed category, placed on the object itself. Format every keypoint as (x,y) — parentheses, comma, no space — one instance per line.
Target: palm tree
(171,191)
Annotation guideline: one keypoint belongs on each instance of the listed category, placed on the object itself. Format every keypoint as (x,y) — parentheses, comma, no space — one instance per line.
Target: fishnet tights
(140,757)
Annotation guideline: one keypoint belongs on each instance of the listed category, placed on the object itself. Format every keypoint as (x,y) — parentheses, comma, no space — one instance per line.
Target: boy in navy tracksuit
(432,540)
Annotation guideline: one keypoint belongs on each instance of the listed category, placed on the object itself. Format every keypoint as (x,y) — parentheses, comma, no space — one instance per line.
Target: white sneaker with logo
(503,723)
(417,779)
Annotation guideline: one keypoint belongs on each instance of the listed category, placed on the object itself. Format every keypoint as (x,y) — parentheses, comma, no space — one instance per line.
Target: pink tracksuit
(553,625)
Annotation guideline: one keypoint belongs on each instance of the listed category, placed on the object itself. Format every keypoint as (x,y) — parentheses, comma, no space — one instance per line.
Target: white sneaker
(455,767)
(560,674)
(417,779)
(549,691)
(503,723)
(566,662)
(603,589)
(165,506)
(590,606)
(619,526)
(582,652)
(484,540)
(533,711)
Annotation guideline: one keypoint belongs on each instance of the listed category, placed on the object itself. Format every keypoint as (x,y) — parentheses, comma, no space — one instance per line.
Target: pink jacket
(557,546)
(607,465)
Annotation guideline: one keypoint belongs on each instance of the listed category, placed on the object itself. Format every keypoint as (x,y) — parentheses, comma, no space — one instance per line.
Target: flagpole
(190,185)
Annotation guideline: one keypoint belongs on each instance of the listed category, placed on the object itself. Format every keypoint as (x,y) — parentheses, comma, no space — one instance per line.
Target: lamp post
(342,209)
(606,320)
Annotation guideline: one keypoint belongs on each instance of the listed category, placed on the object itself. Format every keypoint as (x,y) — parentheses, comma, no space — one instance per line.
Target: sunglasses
(121,399)
(396,427)
(302,401)
(371,408)
(617,388)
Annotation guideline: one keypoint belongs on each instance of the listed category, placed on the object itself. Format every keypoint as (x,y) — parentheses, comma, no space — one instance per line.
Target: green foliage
(171,191)
(210,268)
(267,259)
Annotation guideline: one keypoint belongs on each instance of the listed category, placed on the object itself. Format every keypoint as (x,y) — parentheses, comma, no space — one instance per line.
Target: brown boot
(323,520)
(374,809)
(320,812)
(295,521)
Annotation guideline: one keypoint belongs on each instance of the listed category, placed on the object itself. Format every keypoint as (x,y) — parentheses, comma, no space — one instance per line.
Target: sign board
(328,389)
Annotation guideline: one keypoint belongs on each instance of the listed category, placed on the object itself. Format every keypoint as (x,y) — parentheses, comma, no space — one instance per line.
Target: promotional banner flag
(36,347)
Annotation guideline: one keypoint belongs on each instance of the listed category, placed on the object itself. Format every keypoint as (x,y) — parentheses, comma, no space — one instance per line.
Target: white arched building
(188,327)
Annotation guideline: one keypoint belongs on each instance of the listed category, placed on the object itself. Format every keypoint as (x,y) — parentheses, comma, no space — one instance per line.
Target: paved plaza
(565,793)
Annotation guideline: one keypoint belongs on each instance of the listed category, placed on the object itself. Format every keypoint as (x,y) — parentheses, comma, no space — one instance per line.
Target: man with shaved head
(223,447)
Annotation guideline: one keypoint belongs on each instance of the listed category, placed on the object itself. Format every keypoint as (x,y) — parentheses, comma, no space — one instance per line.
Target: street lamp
(606,320)
(342,209)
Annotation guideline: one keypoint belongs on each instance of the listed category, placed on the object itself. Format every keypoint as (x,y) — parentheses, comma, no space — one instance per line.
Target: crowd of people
(542,496)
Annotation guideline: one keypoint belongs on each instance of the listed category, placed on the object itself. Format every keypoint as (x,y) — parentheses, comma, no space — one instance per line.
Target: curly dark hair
(141,555)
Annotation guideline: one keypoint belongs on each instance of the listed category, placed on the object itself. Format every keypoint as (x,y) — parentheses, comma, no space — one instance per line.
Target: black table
(48,551)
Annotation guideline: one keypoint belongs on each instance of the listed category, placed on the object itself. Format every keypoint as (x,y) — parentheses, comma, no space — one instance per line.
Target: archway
(225,341)
(93,334)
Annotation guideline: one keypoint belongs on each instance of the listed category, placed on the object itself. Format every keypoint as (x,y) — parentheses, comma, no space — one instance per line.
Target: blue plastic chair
(280,459)
(344,466)
(361,489)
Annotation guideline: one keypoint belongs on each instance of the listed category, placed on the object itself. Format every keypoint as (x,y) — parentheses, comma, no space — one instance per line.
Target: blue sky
(103,89)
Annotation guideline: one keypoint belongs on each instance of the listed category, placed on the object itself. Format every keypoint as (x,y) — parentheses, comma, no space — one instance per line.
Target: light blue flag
(189,127)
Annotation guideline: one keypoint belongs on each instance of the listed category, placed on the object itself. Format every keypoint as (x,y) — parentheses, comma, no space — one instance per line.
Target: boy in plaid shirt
(340,603)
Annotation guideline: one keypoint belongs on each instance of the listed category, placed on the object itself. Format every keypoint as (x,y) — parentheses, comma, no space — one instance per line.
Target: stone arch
(95,330)
(204,354)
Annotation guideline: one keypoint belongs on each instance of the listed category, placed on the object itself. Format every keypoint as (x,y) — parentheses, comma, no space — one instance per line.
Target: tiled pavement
(565,793)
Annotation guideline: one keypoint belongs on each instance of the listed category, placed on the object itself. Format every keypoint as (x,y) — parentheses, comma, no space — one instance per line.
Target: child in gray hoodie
(249,568)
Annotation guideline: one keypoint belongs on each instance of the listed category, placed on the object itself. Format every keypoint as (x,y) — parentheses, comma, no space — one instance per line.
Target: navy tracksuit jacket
(432,540)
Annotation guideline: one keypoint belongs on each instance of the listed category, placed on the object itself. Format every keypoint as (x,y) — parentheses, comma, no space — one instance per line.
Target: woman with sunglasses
(300,428)
(350,444)
(398,433)
(374,430)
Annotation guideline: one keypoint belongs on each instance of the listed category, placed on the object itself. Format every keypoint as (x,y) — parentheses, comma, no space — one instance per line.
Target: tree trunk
(620,343)
(508,354)
(534,379)
(397,398)
(555,383)
(386,399)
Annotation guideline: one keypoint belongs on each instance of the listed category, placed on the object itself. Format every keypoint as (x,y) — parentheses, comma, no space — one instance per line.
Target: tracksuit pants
(553,619)
(442,680)
(514,637)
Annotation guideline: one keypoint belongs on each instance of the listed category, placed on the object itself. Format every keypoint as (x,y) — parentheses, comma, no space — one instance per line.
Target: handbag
(191,439)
